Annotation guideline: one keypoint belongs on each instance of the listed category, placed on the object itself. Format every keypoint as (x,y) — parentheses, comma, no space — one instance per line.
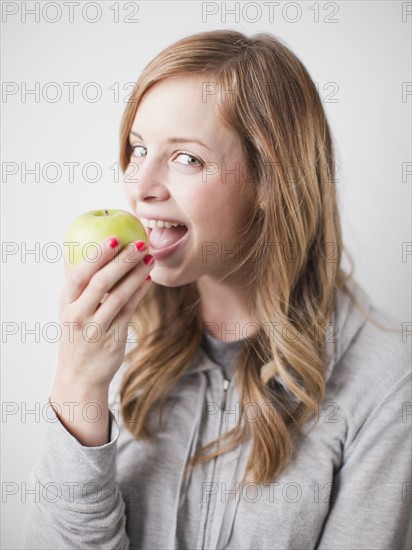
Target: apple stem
(106,212)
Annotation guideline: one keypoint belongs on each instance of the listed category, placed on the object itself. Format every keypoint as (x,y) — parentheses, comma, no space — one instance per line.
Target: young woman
(264,405)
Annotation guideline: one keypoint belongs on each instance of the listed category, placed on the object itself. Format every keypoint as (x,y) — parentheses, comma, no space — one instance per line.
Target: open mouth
(166,239)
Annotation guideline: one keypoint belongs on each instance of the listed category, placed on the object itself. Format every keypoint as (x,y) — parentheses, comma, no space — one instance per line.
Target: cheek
(210,196)
(130,200)
(216,206)
(195,204)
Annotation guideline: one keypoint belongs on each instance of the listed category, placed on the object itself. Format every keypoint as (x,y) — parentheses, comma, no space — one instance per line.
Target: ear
(261,200)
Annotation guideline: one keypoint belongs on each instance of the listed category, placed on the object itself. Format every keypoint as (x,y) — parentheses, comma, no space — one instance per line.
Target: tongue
(161,237)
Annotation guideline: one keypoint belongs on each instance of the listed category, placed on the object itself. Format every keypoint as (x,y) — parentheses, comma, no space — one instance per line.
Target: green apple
(86,233)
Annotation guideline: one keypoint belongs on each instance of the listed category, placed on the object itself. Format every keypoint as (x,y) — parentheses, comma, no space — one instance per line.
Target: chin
(168,278)
(165,279)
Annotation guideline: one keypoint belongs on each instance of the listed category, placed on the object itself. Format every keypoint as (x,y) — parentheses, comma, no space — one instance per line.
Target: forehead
(179,96)
(180,106)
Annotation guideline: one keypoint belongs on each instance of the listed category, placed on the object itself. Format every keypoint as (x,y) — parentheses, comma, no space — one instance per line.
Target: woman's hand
(96,304)
(94,324)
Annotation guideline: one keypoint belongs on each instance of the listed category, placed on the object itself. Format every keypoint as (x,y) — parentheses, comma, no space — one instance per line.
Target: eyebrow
(177,140)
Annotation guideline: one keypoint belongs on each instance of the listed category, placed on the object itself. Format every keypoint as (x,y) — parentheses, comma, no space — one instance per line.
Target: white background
(366,57)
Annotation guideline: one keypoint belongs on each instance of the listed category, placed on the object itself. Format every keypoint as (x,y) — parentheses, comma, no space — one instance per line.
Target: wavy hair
(291,273)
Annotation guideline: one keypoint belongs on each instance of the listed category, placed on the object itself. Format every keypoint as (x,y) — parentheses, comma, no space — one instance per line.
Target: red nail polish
(148,278)
(141,245)
(148,260)
(113,242)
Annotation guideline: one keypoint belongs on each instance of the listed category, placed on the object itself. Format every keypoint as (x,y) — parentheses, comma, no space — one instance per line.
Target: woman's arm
(80,504)
(373,490)
(84,412)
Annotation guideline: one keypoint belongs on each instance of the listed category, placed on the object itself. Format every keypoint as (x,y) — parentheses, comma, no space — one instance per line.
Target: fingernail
(148,278)
(141,245)
(148,260)
(113,242)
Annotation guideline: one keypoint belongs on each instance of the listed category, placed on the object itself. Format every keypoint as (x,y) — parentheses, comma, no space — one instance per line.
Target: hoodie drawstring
(190,452)
(229,513)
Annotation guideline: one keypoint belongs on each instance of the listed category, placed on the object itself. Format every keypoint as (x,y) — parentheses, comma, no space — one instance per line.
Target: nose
(145,181)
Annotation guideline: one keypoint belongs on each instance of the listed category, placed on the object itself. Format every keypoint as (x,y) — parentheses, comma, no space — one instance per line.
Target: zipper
(226,384)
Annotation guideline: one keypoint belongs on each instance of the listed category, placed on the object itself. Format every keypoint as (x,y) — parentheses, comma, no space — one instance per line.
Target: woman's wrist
(82,409)
(70,383)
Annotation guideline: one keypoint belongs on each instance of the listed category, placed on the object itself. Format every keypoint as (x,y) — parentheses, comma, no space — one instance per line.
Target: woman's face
(186,166)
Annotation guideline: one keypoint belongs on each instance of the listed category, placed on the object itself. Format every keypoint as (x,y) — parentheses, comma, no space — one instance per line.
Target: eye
(189,160)
(136,151)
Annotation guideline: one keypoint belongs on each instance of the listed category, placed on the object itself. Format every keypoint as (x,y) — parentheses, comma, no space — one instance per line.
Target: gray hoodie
(348,487)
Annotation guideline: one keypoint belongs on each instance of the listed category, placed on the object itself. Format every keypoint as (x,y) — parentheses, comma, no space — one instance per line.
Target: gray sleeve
(78,502)
(370,502)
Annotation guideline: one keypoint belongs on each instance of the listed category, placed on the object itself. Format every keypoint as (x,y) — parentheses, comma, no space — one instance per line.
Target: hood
(348,320)
(345,323)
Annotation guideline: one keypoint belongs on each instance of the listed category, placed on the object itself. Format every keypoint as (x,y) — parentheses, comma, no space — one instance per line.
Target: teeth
(158,223)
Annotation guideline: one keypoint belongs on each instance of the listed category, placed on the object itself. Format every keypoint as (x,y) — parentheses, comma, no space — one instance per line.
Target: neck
(225,311)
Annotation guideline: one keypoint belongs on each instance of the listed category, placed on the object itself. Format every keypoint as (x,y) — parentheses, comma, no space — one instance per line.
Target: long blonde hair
(291,274)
